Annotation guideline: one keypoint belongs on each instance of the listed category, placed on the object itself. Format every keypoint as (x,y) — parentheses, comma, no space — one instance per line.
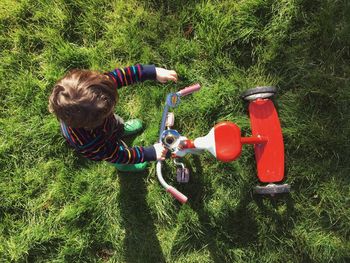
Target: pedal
(182,175)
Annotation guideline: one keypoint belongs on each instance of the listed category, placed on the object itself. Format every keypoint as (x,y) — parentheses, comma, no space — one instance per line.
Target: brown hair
(83,98)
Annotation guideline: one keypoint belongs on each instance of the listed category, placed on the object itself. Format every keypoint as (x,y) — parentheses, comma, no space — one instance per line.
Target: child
(84,103)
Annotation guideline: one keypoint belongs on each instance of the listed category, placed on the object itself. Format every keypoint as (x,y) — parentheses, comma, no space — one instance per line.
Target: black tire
(258,92)
(272,189)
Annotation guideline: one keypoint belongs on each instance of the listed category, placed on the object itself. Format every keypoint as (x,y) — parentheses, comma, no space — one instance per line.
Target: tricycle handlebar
(170,103)
(177,194)
(170,189)
(190,89)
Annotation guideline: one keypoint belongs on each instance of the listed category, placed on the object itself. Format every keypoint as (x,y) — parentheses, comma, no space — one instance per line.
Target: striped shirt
(102,142)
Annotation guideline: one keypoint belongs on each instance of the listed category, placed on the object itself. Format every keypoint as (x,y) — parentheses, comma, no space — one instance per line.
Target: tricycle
(224,141)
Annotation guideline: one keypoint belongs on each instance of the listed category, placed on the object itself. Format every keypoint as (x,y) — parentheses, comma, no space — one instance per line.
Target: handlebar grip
(177,195)
(189,89)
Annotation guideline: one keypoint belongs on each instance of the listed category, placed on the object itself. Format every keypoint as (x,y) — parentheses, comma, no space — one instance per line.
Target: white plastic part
(160,176)
(182,152)
(206,143)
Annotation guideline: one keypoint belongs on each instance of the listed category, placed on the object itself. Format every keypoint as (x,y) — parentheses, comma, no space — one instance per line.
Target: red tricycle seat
(228,144)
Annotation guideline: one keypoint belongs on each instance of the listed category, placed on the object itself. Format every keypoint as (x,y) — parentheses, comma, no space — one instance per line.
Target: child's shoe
(138,167)
(132,127)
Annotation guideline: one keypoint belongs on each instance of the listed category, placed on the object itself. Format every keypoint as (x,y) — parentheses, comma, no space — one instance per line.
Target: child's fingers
(162,157)
(164,153)
(172,78)
(173,74)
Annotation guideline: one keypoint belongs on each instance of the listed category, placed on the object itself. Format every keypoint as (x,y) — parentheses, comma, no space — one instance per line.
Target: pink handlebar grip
(189,89)
(176,194)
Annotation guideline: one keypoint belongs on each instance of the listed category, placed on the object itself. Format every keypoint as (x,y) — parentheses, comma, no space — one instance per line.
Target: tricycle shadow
(234,227)
(280,211)
(140,243)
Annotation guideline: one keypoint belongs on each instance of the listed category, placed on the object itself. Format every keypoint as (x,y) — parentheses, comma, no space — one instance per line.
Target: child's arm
(99,149)
(115,152)
(138,73)
(130,155)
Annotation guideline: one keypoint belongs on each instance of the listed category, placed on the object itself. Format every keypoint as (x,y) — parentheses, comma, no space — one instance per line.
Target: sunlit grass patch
(57,207)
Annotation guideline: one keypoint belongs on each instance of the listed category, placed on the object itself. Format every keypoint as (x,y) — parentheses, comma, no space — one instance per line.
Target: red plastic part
(270,155)
(177,194)
(188,144)
(253,140)
(228,144)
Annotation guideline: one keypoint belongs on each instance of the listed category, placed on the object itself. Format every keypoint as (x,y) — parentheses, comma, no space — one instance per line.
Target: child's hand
(160,151)
(163,75)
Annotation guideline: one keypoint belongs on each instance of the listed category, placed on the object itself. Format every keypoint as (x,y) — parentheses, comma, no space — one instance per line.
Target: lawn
(58,207)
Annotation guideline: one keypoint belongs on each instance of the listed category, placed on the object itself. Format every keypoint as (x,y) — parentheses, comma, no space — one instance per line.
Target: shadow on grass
(168,7)
(141,243)
(280,208)
(237,228)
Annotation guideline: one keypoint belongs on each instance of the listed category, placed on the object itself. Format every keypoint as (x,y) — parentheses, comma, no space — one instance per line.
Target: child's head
(83,98)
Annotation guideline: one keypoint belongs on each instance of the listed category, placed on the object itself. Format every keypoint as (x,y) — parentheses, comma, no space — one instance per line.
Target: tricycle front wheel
(258,93)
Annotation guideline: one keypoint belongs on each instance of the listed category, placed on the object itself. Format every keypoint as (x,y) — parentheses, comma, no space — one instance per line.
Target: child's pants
(119,128)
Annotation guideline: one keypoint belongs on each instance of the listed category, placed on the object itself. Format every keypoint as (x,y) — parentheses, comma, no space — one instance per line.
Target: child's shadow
(141,243)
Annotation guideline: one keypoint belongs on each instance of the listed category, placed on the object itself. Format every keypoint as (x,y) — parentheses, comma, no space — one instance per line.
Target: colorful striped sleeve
(130,155)
(101,148)
(115,152)
(130,75)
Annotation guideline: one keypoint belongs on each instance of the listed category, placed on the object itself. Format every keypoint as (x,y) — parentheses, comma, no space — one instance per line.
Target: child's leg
(129,127)
(119,125)
(138,167)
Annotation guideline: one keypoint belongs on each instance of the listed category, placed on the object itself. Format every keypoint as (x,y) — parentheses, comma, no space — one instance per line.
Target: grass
(58,207)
